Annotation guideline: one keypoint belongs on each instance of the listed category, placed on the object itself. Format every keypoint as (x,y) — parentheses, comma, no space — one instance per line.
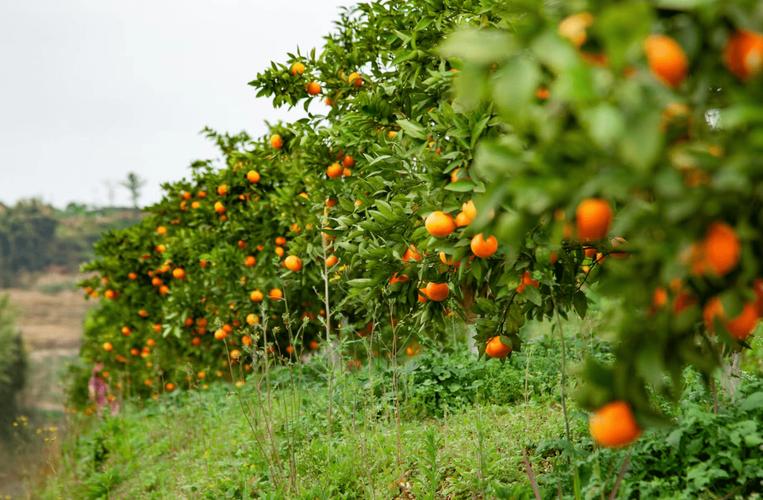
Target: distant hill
(36,237)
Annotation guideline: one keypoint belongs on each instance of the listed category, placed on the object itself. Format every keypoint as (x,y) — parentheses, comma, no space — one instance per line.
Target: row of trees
(477,167)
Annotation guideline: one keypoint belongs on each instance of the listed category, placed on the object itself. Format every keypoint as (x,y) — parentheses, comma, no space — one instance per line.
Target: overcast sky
(92,89)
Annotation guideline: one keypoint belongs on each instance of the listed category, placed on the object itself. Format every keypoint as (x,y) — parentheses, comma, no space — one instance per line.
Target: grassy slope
(205,445)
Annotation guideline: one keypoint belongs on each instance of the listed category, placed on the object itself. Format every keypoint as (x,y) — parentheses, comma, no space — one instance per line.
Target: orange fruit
(659,297)
(542,93)
(346,172)
(436,291)
(439,224)
(161,230)
(169,386)
(574,27)
(220,334)
(422,295)
(256,296)
(334,171)
(394,279)
(275,294)
(203,263)
(219,207)
(132,276)
(178,273)
(157,327)
(246,340)
(348,161)
(391,134)
(289,349)
(185,195)
(196,341)
(527,280)
(722,249)
(496,348)
(250,261)
(160,248)
(743,54)
(462,220)
(235,354)
(241,244)
(314,345)
(293,263)
(107,346)
(150,342)
(331,202)
(126,331)
(143,313)
(280,240)
(252,319)
(355,79)
(276,141)
(667,60)
(445,260)
(593,218)
(740,327)
(328,101)
(279,251)
(222,189)
(297,68)
(331,260)
(313,88)
(200,194)
(253,176)
(110,294)
(411,253)
(613,425)
(482,247)
(469,210)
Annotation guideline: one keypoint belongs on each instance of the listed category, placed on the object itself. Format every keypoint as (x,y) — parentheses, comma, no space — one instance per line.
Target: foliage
(12,366)
(432,105)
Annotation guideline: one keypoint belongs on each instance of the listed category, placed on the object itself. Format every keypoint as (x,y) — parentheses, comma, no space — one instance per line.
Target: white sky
(92,89)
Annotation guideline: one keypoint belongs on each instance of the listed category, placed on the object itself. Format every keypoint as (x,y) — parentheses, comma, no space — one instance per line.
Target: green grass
(199,444)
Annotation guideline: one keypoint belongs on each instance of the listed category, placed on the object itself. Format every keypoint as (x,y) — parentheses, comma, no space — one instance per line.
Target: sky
(93,89)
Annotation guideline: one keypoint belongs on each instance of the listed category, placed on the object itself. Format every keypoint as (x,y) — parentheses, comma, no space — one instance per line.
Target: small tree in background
(134,184)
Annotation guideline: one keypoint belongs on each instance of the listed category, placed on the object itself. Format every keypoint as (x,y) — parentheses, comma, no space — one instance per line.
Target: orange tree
(486,178)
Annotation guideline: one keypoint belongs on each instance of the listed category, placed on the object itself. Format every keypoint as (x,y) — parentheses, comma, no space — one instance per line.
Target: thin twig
(530,474)
(620,475)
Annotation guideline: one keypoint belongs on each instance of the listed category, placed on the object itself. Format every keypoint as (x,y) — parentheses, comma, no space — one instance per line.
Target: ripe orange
(348,161)
(330,202)
(160,248)
(659,297)
(314,345)
(275,294)
(482,247)
(220,334)
(235,354)
(256,296)
(574,27)
(110,294)
(411,253)
(253,176)
(178,273)
(355,79)
(150,342)
(250,261)
(201,194)
(346,172)
(222,189)
(126,331)
(219,207)
(107,346)
(422,295)
(276,141)
(613,425)
(334,171)
(743,54)
(391,134)
(740,327)
(143,313)
(394,279)
(169,386)
(157,327)
(203,263)
(445,260)
(252,319)
(667,60)
(527,280)
(185,195)
(496,348)
(132,276)
(297,68)
(246,340)
(196,341)
(289,349)
(280,240)
(439,224)
(436,291)
(331,260)
(593,217)
(293,263)
(721,248)
(462,220)
(161,230)
(313,88)
(279,251)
